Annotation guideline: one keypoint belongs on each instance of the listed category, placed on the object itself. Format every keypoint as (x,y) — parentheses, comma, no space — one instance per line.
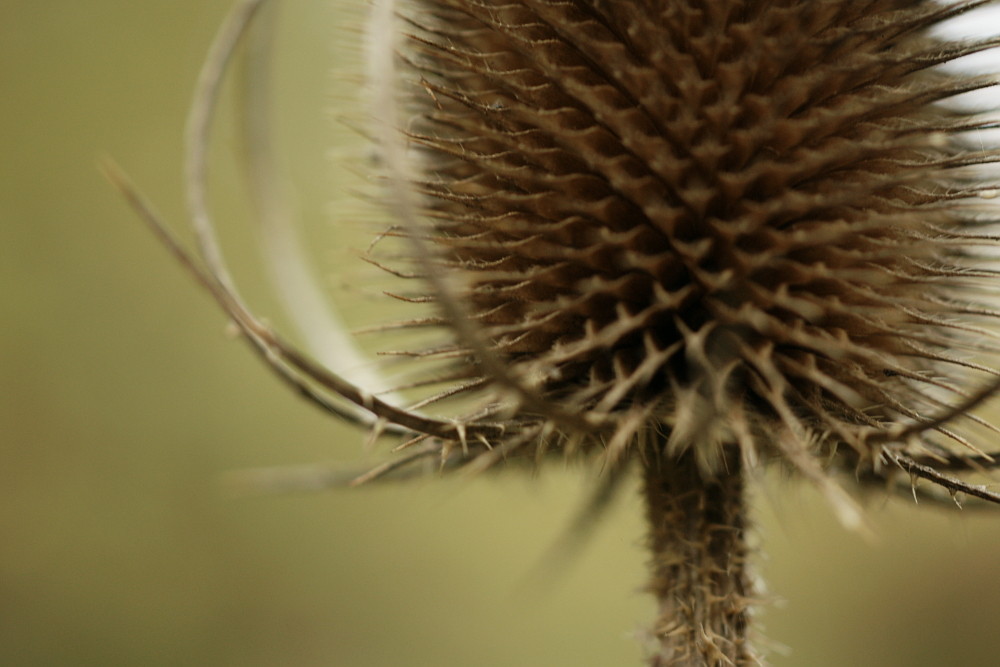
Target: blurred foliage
(123,402)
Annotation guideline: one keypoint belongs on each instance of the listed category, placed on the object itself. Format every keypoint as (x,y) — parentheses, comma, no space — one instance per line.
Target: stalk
(699,564)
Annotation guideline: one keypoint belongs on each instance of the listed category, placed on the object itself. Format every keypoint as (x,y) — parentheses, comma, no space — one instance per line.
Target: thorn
(375,432)
(446,448)
(460,428)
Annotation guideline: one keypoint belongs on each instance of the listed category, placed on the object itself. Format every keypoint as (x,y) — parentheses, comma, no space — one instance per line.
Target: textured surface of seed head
(750,223)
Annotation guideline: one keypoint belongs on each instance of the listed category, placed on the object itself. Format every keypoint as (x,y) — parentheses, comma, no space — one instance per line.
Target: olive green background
(122,402)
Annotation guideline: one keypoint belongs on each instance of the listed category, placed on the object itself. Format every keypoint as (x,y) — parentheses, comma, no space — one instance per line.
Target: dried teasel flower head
(696,234)
(730,223)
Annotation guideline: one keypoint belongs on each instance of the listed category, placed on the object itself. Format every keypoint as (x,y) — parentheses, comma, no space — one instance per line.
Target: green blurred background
(122,402)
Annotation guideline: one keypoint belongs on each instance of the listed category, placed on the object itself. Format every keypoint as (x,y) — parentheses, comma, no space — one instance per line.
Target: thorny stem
(699,563)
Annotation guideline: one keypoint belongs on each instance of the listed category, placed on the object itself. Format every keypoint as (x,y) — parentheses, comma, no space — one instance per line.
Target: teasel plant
(685,240)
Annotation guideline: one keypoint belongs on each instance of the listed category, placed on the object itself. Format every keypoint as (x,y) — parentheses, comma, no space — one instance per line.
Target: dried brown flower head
(731,223)
(697,234)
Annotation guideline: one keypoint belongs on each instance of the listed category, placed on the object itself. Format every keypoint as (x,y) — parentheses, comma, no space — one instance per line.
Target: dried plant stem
(699,563)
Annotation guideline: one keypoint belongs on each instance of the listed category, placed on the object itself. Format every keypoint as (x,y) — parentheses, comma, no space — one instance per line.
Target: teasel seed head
(756,224)
(703,235)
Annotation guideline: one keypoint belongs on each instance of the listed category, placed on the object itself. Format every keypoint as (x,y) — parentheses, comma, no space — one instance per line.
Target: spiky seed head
(749,223)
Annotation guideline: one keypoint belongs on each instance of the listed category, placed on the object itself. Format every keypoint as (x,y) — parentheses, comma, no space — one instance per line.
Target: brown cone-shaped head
(748,223)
